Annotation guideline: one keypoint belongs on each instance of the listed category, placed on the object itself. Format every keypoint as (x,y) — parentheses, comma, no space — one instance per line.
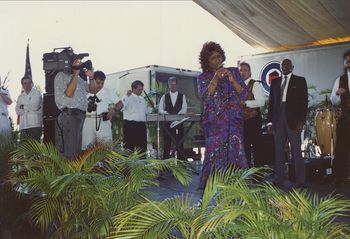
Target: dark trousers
(135,135)
(68,132)
(284,134)
(177,133)
(342,148)
(31,133)
(252,140)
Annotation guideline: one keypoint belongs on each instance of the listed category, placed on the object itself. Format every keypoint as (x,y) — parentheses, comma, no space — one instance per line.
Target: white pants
(91,136)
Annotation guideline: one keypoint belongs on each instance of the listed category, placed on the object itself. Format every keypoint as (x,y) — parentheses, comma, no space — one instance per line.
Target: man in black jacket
(173,102)
(341,96)
(286,116)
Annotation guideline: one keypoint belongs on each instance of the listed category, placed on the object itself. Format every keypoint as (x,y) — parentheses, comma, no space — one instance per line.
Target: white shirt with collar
(31,114)
(173,97)
(135,108)
(286,87)
(259,96)
(334,97)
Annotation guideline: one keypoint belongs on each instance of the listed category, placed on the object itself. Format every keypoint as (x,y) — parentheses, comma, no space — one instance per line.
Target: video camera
(63,60)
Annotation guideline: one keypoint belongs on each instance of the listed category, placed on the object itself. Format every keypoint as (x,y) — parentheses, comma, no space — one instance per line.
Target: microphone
(220,65)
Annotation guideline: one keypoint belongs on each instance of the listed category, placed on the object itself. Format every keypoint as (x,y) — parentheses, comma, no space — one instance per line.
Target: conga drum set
(326,126)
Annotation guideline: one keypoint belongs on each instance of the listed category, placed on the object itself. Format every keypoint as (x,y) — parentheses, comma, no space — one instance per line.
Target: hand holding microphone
(220,72)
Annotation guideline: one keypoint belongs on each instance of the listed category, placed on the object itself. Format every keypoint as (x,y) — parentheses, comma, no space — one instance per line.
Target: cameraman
(97,126)
(70,98)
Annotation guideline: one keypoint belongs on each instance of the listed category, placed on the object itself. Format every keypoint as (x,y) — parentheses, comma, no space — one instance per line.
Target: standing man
(5,100)
(173,102)
(29,110)
(134,115)
(286,116)
(97,126)
(341,95)
(252,116)
(70,98)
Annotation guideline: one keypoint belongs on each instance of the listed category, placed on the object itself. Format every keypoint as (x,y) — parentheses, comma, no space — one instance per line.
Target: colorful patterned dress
(222,124)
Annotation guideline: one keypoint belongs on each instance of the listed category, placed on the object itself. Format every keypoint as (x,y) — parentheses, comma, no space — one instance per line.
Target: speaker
(50,81)
(49,130)
(317,170)
(50,108)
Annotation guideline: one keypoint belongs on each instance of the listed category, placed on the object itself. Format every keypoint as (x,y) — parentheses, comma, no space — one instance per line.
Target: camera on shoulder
(63,60)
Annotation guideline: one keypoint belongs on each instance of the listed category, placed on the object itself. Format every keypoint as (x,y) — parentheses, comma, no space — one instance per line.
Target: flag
(28,69)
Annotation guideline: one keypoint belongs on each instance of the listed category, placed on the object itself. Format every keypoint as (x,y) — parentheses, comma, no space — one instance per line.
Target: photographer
(97,126)
(70,98)
(29,109)
(5,124)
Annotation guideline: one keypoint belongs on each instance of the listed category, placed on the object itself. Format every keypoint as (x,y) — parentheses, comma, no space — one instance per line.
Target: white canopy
(284,24)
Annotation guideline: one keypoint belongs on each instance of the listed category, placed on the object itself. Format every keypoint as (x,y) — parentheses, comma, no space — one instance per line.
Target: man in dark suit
(341,96)
(286,116)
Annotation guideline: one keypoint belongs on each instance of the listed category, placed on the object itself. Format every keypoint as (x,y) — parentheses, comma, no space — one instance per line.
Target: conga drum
(326,125)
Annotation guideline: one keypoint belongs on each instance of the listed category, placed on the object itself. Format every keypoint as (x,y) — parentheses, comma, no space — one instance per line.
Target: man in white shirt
(134,115)
(5,124)
(29,110)
(341,95)
(97,126)
(252,116)
(173,102)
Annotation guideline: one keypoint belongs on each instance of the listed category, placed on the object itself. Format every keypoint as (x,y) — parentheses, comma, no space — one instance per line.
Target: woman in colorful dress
(221,90)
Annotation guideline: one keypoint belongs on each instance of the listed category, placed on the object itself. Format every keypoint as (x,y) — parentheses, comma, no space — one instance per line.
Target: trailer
(155,78)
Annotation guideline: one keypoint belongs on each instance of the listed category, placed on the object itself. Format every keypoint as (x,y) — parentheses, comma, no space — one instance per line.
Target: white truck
(155,78)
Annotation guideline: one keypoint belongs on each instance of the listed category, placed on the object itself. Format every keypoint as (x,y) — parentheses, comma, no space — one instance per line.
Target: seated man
(173,102)
(97,126)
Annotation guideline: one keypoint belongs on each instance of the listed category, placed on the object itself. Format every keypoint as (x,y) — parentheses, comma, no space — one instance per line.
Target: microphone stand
(158,125)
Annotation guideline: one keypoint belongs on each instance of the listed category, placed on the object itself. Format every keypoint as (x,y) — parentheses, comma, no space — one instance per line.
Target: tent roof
(284,24)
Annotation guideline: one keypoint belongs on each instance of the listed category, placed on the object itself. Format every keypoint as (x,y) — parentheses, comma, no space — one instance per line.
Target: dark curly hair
(208,49)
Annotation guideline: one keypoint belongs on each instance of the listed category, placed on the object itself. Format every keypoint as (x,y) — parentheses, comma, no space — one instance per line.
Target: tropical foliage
(78,198)
(232,207)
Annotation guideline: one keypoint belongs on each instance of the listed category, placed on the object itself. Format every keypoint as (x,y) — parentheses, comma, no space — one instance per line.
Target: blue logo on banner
(269,72)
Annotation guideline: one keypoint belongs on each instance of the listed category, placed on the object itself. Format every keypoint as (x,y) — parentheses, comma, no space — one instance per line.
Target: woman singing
(221,90)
